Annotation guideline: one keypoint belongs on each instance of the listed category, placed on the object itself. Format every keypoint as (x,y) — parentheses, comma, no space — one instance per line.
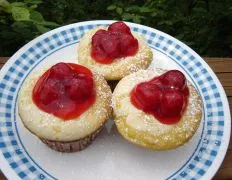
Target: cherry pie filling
(66,90)
(165,97)
(116,42)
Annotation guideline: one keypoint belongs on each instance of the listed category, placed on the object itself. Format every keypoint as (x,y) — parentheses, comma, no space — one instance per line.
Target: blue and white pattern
(214,121)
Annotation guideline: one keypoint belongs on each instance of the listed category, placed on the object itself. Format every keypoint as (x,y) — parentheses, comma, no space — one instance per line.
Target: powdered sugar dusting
(121,66)
(154,131)
(51,127)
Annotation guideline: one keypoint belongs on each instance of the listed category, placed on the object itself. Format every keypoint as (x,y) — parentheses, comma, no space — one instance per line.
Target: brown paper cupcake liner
(72,146)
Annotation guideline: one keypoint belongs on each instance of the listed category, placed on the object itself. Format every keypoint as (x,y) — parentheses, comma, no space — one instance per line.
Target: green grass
(204,25)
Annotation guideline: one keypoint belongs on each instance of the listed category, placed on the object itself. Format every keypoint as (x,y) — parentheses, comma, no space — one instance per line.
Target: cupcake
(156,109)
(114,52)
(65,106)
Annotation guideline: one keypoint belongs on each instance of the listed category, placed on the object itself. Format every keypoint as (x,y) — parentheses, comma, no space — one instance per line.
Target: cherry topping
(172,103)
(66,90)
(61,71)
(110,43)
(79,88)
(165,96)
(128,45)
(148,96)
(174,79)
(119,27)
(114,43)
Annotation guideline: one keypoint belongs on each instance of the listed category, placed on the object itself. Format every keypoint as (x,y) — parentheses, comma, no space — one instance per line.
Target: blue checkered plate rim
(16,164)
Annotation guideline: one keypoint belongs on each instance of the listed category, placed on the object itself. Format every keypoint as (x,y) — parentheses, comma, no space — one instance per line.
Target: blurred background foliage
(204,25)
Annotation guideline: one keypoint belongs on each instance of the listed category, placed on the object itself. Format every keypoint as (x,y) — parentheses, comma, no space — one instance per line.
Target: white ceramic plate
(22,155)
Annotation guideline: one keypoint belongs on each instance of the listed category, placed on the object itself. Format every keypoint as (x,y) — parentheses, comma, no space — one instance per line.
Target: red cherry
(105,46)
(96,39)
(79,88)
(64,107)
(47,93)
(65,90)
(110,44)
(148,96)
(173,79)
(165,96)
(157,81)
(128,45)
(60,71)
(100,56)
(119,27)
(114,43)
(172,103)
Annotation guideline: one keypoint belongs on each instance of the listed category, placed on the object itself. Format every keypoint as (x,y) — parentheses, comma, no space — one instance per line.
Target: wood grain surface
(223,69)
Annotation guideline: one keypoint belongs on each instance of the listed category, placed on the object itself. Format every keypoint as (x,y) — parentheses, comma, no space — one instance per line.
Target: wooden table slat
(218,64)
(228,90)
(3,60)
(223,69)
(225,79)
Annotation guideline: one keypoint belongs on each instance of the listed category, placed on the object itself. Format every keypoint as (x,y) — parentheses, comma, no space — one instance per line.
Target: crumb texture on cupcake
(49,127)
(120,67)
(144,129)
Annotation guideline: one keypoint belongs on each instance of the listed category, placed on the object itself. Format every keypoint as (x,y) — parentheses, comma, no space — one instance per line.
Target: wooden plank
(230,103)
(230,145)
(225,79)
(1,65)
(228,90)
(225,174)
(219,64)
(2,177)
(225,170)
(227,161)
(217,59)
(3,60)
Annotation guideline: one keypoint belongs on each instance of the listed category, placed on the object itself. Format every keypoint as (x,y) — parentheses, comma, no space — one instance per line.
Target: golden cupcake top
(112,52)
(146,129)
